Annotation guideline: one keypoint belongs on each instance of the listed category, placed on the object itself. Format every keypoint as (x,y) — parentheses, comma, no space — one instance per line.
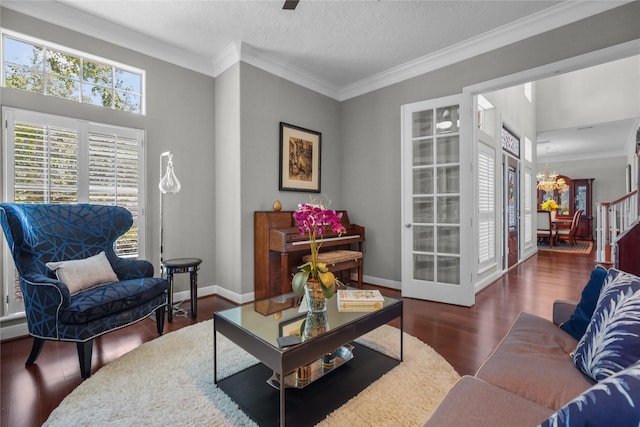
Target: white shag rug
(169,381)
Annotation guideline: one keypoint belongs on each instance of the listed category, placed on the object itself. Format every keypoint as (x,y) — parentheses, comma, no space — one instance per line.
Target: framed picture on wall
(299,159)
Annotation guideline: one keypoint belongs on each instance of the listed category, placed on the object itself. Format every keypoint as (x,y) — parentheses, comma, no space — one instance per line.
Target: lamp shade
(169,182)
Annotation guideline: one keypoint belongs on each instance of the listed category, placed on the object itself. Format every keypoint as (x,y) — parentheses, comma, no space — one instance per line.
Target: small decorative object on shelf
(313,219)
(277,206)
(549,205)
(303,373)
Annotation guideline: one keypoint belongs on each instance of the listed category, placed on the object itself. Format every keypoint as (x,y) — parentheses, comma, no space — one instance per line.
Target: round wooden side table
(182,265)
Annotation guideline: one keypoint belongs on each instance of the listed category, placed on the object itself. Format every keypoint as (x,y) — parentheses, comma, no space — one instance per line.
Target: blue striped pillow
(612,340)
(614,401)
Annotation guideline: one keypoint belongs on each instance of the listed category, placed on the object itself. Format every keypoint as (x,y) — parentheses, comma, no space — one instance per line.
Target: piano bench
(341,260)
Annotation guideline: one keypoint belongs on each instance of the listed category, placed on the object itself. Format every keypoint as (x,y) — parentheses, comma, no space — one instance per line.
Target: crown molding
(287,71)
(61,14)
(240,51)
(554,17)
(229,56)
(58,13)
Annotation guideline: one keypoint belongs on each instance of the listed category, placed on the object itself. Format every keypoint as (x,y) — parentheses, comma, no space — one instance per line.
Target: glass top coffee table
(256,326)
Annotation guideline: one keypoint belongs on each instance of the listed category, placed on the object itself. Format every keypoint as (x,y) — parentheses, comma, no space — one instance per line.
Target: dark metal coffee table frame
(284,361)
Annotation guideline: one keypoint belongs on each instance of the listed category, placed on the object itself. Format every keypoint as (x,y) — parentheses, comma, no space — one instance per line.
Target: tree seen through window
(53,72)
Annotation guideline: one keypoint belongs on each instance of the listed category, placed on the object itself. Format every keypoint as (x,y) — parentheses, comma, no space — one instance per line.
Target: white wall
(518,114)
(227,183)
(594,95)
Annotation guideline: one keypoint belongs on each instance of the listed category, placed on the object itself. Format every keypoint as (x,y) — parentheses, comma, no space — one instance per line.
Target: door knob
(407,225)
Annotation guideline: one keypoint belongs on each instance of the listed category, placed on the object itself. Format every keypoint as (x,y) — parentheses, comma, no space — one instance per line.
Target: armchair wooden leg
(84,355)
(38,343)
(160,319)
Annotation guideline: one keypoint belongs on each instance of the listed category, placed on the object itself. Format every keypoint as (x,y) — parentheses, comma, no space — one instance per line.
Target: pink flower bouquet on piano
(313,219)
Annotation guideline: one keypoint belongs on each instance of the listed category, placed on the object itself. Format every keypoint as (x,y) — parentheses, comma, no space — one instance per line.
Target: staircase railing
(613,219)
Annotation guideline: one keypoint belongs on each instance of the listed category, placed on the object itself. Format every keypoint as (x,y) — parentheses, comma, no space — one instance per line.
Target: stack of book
(359,300)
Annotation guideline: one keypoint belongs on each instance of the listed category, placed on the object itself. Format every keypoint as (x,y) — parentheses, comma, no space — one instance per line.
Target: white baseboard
(14,331)
(216,290)
(386,283)
(478,286)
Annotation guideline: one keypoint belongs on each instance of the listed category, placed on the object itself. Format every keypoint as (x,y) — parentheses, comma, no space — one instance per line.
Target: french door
(512,213)
(437,201)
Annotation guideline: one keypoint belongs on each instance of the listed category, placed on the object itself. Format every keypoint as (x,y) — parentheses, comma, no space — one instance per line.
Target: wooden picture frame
(299,159)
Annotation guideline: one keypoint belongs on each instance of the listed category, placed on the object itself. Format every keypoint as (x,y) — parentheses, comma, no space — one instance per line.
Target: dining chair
(545,228)
(569,234)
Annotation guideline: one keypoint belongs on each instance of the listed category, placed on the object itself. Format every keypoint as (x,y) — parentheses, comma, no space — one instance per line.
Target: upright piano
(279,248)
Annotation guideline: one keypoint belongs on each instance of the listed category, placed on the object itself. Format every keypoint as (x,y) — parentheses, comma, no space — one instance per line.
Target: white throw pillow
(80,275)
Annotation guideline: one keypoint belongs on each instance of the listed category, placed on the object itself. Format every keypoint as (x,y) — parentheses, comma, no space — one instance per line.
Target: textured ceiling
(340,42)
(339,48)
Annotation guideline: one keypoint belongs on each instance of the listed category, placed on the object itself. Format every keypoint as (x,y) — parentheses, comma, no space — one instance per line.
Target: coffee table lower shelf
(316,370)
(261,402)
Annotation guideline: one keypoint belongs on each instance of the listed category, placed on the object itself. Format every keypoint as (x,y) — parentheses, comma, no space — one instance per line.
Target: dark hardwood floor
(464,336)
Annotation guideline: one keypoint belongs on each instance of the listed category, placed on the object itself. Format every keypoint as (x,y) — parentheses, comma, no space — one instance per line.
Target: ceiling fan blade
(290,4)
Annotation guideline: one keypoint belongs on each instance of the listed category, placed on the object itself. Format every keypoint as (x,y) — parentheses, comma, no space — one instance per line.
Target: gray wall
(223,184)
(371,122)
(180,112)
(267,100)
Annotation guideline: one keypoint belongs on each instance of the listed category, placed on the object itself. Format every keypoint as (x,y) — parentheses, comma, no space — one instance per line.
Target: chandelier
(549,181)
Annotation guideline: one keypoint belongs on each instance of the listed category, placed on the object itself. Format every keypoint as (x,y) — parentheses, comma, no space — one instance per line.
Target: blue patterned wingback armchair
(38,234)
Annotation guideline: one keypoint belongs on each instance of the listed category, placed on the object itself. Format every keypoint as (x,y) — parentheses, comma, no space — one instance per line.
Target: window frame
(82,56)
(82,129)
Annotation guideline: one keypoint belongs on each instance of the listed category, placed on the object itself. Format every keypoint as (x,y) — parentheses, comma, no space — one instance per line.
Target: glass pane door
(432,250)
(436,195)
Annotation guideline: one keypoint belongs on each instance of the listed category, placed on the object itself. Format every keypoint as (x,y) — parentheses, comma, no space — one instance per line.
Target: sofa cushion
(619,394)
(533,361)
(473,402)
(82,274)
(579,320)
(612,340)
(111,298)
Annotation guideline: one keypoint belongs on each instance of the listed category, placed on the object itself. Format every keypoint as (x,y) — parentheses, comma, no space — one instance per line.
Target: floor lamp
(168,184)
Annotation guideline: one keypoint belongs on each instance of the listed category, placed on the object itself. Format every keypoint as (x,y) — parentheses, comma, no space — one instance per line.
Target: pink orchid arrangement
(313,220)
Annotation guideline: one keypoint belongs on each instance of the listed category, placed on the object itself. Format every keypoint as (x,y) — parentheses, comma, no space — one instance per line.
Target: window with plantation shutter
(486,207)
(53,159)
(45,163)
(114,176)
